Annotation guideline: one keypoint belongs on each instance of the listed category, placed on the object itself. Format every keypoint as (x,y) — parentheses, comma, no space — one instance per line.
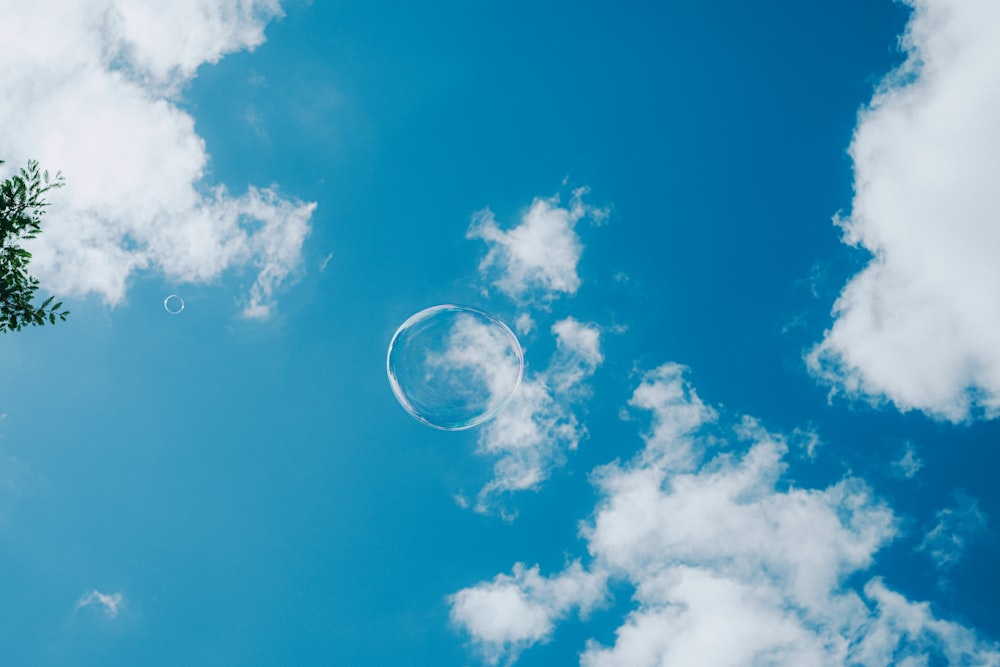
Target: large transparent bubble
(454,367)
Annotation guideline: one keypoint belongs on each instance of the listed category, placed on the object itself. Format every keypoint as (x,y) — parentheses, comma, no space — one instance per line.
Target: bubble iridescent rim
(168,301)
(427,313)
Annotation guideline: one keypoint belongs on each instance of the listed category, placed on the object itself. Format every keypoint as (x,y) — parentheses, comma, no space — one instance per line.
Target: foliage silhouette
(21,208)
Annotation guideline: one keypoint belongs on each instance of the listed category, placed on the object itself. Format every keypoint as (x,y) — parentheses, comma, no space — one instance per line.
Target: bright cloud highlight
(538,257)
(96,84)
(515,611)
(918,325)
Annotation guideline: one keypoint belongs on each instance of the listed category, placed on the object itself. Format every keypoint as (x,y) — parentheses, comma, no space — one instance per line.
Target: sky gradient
(748,250)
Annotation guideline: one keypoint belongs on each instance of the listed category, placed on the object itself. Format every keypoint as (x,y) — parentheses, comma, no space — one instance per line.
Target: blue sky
(748,249)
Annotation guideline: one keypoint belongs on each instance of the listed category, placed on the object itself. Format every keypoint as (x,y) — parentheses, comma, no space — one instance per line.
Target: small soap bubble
(173,304)
(454,367)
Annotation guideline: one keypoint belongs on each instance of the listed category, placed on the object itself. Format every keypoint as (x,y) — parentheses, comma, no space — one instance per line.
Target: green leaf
(22,204)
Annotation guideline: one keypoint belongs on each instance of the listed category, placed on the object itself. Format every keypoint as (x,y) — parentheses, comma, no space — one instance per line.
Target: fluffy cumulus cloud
(538,258)
(539,426)
(917,325)
(92,89)
(514,611)
(730,564)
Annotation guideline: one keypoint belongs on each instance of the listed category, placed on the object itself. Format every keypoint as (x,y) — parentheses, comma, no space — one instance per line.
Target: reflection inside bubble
(454,367)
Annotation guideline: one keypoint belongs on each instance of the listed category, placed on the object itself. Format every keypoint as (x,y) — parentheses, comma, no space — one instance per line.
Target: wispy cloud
(909,464)
(111,604)
(257,123)
(730,565)
(917,325)
(954,528)
(539,426)
(534,263)
(97,83)
(537,259)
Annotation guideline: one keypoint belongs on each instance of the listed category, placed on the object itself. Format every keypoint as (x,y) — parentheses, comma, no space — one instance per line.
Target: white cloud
(484,348)
(730,564)
(910,463)
(538,427)
(808,441)
(514,611)
(901,632)
(539,257)
(326,261)
(480,364)
(677,413)
(578,354)
(96,83)
(111,604)
(917,325)
(524,324)
(534,263)
(954,528)
(166,44)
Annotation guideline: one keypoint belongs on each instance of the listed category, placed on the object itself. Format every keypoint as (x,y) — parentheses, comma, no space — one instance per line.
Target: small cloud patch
(111,604)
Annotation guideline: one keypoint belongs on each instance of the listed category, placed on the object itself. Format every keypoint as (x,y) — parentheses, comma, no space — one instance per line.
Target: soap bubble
(453,367)
(173,304)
